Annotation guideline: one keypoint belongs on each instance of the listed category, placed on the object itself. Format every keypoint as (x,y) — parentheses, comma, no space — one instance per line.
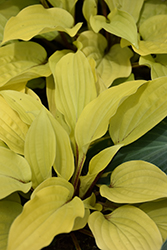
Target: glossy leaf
(22,61)
(158,213)
(127,227)
(96,165)
(111,65)
(46,20)
(12,129)
(15,173)
(119,23)
(158,65)
(140,112)
(9,210)
(154,39)
(50,212)
(126,5)
(134,182)
(75,89)
(40,148)
(94,119)
(25,105)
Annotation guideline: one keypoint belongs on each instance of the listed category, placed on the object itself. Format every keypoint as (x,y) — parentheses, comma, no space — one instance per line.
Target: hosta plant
(92,150)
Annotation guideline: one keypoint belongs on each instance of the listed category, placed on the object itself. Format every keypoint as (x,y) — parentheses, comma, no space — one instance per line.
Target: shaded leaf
(134,182)
(3,21)
(40,148)
(158,213)
(50,212)
(127,227)
(46,20)
(65,4)
(15,173)
(140,112)
(119,23)
(164,246)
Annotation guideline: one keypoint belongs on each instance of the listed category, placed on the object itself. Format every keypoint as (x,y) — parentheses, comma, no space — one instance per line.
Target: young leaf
(111,65)
(119,23)
(9,210)
(15,173)
(140,112)
(154,39)
(34,20)
(50,212)
(127,227)
(89,9)
(12,129)
(25,105)
(158,213)
(96,165)
(134,182)
(94,119)
(40,148)
(22,61)
(75,89)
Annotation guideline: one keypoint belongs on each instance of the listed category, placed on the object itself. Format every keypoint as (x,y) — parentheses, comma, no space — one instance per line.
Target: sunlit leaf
(135,181)
(158,64)
(15,173)
(65,4)
(140,112)
(154,39)
(158,213)
(111,65)
(25,105)
(40,148)
(119,23)
(50,212)
(96,165)
(75,89)
(89,9)
(22,61)
(9,210)
(12,129)
(127,227)
(45,20)
(94,119)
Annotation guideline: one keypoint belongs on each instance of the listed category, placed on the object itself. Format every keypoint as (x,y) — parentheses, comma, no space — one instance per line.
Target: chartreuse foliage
(97,123)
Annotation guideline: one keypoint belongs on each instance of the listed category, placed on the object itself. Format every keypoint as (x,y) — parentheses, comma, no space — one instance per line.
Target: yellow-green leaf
(34,20)
(9,210)
(12,129)
(65,4)
(89,9)
(94,119)
(135,181)
(40,148)
(75,89)
(22,61)
(15,173)
(158,213)
(111,65)
(25,105)
(119,23)
(126,228)
(154,37)
(158,64)
(140,112)
(96,165)
(49,213)
(3,21)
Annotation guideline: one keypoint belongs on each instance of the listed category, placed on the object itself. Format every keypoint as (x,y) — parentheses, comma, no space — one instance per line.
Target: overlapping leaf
(50,212)
(114,64)
(125,228)
(94,119)
(119,23)
(12,129)
(89,9)
(135,181)
(3,21)
(65,4)
(22,61)
(40,148)
(15,173)
(158,213)
(45,20)
(140,112)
